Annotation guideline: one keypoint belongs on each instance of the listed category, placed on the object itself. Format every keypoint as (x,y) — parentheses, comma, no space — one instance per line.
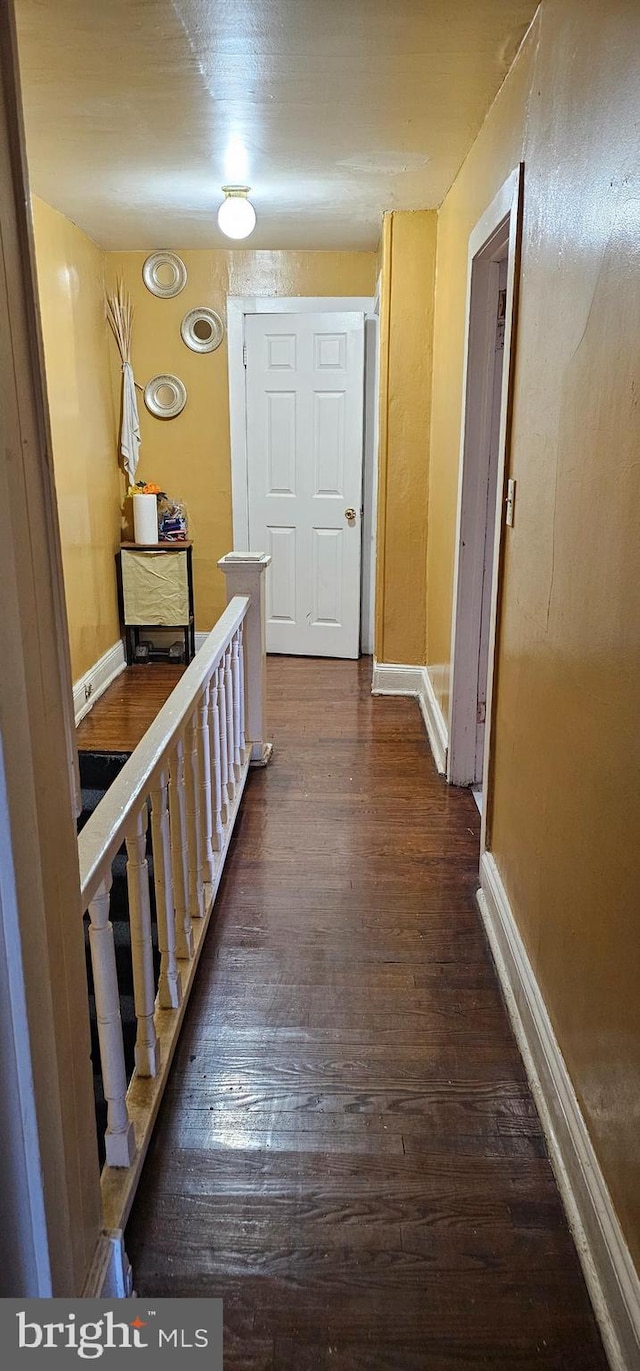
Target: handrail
(102,835)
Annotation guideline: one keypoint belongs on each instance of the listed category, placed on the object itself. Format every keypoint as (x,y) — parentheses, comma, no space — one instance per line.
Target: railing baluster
(237,703)
(179,855)
(120,1143)
(169,984)
(147,1051)
(243,741)
(224,761)
(214,741)
(192,777)
(204,763)
(228,683)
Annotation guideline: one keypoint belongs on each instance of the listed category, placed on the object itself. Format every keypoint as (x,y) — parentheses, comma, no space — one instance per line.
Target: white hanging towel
(130,435)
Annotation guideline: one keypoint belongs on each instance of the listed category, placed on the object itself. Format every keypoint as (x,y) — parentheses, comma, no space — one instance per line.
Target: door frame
(499,226)
(50,1202)
(237,308)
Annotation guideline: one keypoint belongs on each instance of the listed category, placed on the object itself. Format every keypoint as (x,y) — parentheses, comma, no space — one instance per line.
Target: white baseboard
(392,678)
(110,1276)
(200,639)
(435,721)
(95,681)
(613,1282)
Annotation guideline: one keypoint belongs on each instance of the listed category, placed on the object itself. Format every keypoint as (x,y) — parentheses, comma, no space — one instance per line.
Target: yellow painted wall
(566,799)
(408,256)
(83,427)
(189,456)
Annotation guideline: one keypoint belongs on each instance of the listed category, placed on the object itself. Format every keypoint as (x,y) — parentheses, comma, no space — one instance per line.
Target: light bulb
(236,216)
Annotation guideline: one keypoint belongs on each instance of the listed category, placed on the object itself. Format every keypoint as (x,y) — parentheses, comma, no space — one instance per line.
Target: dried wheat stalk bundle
(120,316)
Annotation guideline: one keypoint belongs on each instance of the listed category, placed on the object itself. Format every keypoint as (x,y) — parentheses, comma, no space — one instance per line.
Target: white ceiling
(138,111)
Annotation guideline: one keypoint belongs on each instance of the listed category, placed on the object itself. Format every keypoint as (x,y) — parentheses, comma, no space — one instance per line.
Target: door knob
(350,516)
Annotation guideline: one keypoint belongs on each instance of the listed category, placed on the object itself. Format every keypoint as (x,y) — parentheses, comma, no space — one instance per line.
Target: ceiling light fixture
(236,216)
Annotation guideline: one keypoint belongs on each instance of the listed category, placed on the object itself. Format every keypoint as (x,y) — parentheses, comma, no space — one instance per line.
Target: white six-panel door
(305,404)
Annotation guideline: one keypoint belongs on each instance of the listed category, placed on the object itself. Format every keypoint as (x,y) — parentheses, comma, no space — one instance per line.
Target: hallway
(348,1152)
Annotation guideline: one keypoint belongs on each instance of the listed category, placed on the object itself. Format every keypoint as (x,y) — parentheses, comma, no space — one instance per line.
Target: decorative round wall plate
(164,274)
(165,396)
(202,330)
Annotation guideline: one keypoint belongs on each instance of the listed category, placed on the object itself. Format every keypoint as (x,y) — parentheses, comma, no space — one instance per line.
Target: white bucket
(145,518)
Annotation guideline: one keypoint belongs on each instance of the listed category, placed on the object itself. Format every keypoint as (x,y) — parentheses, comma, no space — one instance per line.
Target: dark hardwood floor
(121,717)
(348,1152)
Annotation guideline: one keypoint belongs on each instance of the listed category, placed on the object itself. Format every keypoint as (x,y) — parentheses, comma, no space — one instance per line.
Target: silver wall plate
(202,330)
(164,274)
(165,396)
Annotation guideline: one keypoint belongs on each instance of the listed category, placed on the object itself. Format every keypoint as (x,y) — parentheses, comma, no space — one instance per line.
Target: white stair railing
(186,777)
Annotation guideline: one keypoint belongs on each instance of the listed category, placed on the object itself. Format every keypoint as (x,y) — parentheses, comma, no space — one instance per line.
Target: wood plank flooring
(121,717)
(348,1152)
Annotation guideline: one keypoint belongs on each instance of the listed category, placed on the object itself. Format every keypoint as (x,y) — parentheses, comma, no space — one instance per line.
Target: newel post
(244,572)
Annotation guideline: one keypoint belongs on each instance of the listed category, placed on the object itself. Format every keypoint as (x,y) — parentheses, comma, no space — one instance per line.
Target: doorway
(493,251)
(303,453)
(305,428)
